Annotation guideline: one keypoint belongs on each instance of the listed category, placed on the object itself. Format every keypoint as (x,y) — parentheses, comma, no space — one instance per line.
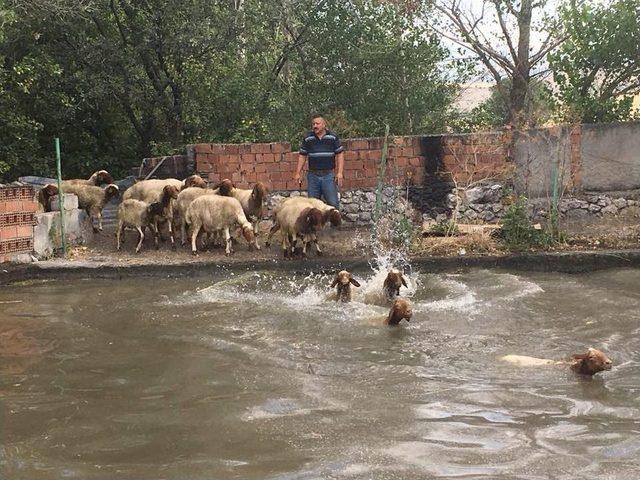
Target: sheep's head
(590,363)
(194,181)
(393,282)
(111,191)
(102,176)
(401,309)
(247,233)
(343,282)
(225,187)
(170,191)
(45,194)
(312,219)
(344,278)
(259,192)
(333,216)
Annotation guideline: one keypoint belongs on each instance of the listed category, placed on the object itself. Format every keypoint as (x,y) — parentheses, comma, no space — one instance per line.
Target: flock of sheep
(208,213)
(217,211)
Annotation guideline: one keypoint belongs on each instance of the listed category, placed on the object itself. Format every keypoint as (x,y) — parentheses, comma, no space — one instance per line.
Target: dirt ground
(342,242)
(335,242)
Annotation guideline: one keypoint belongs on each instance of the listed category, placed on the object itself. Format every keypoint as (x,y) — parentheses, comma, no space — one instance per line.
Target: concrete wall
(610,156)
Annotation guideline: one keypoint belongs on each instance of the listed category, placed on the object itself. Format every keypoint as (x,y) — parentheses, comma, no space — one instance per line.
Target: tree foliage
(597,69)
(118,80)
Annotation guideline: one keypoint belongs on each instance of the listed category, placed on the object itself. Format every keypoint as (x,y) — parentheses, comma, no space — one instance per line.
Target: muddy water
(256,376)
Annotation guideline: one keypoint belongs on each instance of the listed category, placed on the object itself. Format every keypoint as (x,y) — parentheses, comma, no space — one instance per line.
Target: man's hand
(339,179)
(297,178)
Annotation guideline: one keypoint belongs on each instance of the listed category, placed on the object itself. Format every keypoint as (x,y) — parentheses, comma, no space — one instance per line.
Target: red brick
(13,206)
(214,178)
(8,232)
(260,168)
(280,147)
(244,148)
(292,185)
(357,144)
(231,148)
(401,162)
(23,231)
(248,158)
(416,161)
(290,157)
(260,148)
(251,177)
(204,167)
(376,143)
(278,185)
(202,148)
(350,155)
(266,157)
(353,165)
(29,205)
(236,177)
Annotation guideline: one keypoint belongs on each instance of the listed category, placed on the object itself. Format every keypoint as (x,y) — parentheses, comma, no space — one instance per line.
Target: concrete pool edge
(564,262)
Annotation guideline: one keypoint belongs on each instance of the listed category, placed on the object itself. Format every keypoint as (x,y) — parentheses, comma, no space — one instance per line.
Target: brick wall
(409,160)
(17,218)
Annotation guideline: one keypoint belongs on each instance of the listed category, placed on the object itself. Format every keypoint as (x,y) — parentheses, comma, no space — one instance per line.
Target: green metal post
(60,195)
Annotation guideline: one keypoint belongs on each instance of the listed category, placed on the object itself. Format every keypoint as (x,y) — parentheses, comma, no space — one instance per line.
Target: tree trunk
(520,84)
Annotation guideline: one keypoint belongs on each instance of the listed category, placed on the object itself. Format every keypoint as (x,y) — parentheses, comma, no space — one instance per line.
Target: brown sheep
(295,220)
(96,179)
(45,194)
(589,363)
(343,282)
(392,284)
(193,181)
(162,211)
(401,309)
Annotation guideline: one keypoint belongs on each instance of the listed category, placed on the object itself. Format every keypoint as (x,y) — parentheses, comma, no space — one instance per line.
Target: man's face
(318,125)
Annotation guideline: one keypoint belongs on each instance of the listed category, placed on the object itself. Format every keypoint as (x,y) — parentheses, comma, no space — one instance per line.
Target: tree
(499,35)
(597,70)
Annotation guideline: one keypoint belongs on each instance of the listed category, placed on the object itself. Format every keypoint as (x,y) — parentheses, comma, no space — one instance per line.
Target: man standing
(326,155)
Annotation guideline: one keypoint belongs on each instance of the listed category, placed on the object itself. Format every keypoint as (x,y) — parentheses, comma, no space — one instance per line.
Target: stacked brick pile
(17,218)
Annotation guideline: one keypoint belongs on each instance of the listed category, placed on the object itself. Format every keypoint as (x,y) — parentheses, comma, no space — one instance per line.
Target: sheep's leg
(272,232)
(255,235)
(154,227)
(119,232)
(315,242)
(173,242)
(92,219)
(141,239)
(227,238)
(194,236)
(286,248)
(100,221)
(183,232)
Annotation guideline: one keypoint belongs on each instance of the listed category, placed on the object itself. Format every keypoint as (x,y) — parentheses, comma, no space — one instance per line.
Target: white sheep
(295,219)
(96,179)
(330,215)
(185,197)
(93,199)
(252,201)
(133,214)
(215,213)
(149,190)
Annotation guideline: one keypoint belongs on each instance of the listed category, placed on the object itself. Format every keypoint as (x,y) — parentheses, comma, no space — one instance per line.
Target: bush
(518,233)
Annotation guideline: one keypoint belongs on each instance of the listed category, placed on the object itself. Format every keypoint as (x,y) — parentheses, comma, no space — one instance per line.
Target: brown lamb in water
(392,284)
(342,283)
(401,309)
(589,363)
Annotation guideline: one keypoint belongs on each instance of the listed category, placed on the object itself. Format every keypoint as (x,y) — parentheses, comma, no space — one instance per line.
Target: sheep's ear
(404,282)
(354,281)
(335,282)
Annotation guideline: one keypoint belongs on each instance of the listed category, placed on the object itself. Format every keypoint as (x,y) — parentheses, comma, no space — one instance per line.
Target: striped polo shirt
(321,151)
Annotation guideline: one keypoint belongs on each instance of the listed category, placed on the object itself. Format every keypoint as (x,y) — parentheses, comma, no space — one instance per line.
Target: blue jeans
(323,186)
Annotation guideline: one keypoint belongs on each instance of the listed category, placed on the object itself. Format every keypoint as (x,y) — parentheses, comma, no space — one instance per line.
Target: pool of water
(257,376)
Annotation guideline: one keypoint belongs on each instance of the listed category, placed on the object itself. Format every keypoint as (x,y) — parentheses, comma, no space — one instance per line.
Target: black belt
(321,172)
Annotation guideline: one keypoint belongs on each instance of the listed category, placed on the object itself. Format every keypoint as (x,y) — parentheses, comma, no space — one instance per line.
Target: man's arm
(339,169)
(298,173)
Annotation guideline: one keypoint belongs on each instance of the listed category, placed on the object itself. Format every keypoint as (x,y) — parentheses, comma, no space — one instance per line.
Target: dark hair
(316,115)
